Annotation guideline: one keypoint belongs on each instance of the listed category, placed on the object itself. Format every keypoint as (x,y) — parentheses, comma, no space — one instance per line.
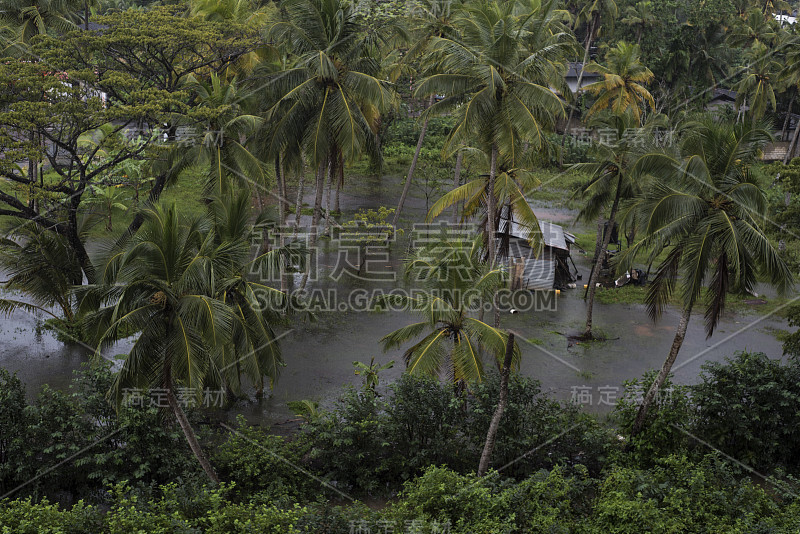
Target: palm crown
(456,281)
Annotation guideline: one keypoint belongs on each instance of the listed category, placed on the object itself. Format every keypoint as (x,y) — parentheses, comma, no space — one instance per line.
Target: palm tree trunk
(328,195)
(577,89)
(786,119)
(319,191)
(587,332)
(298,206)
(491,207)
(793,145)
(186,427)
(320,188)
(339,182)
(502,400)
(283,206)
(413,167)
(456,183)
(680,334)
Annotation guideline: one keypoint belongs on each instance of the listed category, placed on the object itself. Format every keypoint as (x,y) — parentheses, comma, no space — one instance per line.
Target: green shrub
(260,463)
(662,434)
(680,496)
(25,517)
(749,408)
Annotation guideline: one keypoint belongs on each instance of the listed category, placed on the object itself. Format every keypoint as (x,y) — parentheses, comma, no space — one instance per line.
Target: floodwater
(319,354)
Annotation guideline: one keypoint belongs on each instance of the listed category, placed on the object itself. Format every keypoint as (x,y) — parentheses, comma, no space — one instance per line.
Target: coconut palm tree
(512,185)
(433,19)
(222,142)
(622,86)
(43,267)
(641,17)
(455,281)
(244,12)
(329,100)
(752,29)
(615,175)
(592,14)
(761,79)
(498,85)
(791,76)
(177,283)
(706,213)
(252,349)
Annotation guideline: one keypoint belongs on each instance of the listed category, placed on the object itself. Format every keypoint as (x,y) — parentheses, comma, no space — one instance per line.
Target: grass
(558,186)
(734,303)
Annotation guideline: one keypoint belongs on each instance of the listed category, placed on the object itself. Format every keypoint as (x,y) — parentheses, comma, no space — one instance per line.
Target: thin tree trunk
(491,217)
(786,120)
(793,145)
(280,180)
(587,332)
(187,428)
(491,207)
(680,334)
(598,244)
(456,183)
(577,90)
(413,167)
(319,191)
(298,206)
(494,425)
(320,187)
(339,183)
(331,166)
(33,167)
(86,15)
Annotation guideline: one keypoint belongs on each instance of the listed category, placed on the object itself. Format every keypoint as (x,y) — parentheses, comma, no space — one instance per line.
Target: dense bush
(372,444)
(749,408)
(264,464)
(662,434)
(677,495)
(133,445)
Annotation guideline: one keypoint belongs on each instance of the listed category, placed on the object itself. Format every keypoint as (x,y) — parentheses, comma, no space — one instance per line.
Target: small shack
(544,269)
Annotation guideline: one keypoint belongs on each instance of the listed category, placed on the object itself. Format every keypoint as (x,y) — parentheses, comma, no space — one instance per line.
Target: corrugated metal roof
(553,235)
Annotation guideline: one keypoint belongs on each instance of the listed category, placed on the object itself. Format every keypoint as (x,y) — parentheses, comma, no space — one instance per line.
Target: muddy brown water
(319,355)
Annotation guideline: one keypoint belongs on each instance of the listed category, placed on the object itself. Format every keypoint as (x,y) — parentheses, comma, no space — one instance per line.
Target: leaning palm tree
(455,281)
(614,177)
(706,213)
(432,19)
(497,78)
(622,86)
(170,285)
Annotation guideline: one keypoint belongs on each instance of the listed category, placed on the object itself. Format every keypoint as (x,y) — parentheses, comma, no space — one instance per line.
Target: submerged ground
(319,354)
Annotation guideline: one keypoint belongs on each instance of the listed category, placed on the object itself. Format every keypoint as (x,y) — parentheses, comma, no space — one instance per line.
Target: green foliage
(371,444)
(14,421)
(660,437)
(131,445)
(264,464)
(677,495)
(747,407)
